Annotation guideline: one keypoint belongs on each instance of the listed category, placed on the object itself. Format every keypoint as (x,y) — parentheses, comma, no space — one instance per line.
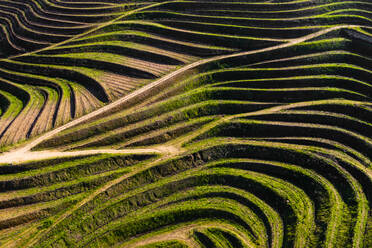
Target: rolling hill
(185,123)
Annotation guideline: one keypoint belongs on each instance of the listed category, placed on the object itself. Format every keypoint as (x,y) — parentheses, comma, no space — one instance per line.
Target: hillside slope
(185,123)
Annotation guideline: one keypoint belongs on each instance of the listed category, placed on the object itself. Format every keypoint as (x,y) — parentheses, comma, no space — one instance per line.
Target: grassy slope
(265,142)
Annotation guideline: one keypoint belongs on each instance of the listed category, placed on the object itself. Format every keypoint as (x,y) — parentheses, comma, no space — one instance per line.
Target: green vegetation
(177,124)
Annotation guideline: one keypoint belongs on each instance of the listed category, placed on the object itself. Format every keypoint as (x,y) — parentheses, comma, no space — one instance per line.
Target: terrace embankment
(186,124)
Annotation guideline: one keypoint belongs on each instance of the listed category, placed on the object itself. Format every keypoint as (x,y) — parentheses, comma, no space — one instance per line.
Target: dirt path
(13,158)
(159,81)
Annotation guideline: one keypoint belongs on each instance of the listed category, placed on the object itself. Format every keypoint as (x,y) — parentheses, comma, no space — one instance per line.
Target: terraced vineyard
(185,123)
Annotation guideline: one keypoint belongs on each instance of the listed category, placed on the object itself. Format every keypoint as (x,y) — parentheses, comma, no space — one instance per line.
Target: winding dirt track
(16,157)
(24,154)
